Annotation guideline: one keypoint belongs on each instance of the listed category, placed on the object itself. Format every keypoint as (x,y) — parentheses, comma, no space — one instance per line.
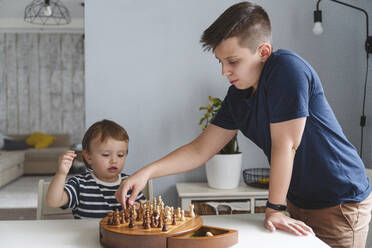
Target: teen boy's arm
(183,159)
(285,138)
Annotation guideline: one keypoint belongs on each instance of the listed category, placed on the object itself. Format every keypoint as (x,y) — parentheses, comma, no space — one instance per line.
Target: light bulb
(47,10)
(318,28)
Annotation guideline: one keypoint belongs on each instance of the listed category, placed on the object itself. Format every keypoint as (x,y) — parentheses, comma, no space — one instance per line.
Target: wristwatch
(276,206)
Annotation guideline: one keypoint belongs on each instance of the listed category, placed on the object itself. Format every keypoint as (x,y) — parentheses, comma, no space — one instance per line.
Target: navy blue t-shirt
(327,169)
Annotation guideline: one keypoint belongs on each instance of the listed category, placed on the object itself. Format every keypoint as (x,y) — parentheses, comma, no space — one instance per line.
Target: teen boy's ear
(264,50)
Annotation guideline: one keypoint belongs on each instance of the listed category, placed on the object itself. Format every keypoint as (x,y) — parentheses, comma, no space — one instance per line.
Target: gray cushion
(14,145)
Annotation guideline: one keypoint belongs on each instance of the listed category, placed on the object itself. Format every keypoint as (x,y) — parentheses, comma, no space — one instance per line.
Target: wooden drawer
(260,205)
(221,238)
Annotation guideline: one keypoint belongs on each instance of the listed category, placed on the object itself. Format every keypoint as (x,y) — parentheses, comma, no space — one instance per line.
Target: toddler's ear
(87,157)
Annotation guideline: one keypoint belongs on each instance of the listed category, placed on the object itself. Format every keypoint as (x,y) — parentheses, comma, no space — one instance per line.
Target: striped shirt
(90,197)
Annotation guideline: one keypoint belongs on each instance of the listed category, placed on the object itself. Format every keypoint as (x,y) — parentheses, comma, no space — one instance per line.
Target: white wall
(145,69)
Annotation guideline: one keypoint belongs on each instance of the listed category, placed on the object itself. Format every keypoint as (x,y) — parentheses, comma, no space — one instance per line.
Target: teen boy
(276,99)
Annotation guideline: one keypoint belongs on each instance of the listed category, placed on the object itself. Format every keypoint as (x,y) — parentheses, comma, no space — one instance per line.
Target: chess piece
(147,225)
(116,219)
(126,215)
(183,215)
(122,219)
(165,226)
(178,213)
(169,214)
(174,222)
(157,216)
(144,222)
(153,224)
(140,211)
(160,222)
(109,218)
(145,218)
(192,214)
(138,215)
(131,222)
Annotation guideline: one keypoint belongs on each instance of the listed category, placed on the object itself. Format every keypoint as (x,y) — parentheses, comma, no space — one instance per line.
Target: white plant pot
(224,170)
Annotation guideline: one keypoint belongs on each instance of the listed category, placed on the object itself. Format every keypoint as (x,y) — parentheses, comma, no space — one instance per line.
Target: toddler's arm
(57,196)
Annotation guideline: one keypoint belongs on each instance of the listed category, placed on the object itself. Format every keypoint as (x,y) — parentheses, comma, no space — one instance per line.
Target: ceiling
(16,8)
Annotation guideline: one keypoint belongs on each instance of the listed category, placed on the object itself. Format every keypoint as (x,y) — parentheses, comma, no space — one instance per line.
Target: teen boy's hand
(65,162)
(136,183)
(278,220)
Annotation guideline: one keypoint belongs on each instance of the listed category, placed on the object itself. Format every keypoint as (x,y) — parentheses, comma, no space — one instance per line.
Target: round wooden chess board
(122,236)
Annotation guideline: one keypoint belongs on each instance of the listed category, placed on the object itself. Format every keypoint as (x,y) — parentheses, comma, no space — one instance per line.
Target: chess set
(157,225)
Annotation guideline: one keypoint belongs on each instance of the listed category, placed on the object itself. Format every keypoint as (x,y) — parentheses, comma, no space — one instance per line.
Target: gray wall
(42,84)
(145,69)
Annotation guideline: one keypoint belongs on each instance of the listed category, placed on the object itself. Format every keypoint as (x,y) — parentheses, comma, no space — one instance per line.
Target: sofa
(44,161)
(11,166)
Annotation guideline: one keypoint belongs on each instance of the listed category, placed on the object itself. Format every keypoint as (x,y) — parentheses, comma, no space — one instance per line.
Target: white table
(188,192)
(84,233)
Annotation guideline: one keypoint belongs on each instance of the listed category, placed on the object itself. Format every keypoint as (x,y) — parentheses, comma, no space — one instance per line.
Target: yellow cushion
(40,140)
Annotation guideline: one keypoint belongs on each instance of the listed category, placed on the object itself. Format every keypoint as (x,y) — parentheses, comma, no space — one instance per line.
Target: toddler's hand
(65,162)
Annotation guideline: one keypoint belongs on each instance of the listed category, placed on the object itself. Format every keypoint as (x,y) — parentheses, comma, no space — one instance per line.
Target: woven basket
(254,177)
(202,208)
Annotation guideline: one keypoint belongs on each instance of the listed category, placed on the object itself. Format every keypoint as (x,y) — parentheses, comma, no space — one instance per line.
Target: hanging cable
(318,29)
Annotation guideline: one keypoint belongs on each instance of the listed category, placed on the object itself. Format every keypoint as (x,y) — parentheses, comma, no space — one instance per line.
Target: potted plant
(223,169)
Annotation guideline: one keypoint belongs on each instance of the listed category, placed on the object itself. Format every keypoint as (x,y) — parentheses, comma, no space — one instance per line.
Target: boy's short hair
(104,129)
(247,21)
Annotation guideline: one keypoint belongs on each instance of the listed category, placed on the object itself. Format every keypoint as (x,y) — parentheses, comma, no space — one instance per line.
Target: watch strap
(276,206)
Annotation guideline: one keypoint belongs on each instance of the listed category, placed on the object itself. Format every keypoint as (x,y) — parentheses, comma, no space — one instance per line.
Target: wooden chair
(43,210)
(46,212)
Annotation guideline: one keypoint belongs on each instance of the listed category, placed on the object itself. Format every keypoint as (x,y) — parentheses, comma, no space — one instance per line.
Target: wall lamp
(318,29)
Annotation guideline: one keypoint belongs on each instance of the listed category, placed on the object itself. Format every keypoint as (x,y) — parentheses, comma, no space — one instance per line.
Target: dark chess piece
(160,222)
(165,226)
(147,224)
(116,219)
(109,218)
(126,215)
(153,224)
(138,215)
(145,218)
(174,222)
(144,223)
(122,218)
(131,222)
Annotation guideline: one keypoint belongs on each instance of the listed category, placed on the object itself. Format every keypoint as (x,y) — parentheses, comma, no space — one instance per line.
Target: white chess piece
(192,214)
(182,215)
(178,213)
